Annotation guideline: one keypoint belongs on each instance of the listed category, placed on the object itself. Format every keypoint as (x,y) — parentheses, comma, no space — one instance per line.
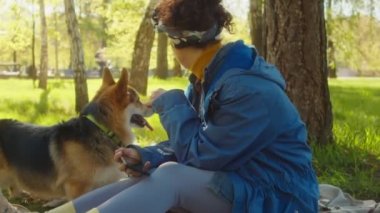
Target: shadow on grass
(32,111)
(42,106)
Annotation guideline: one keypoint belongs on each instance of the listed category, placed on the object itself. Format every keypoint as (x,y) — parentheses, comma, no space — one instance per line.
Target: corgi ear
(107,78)
(122,84)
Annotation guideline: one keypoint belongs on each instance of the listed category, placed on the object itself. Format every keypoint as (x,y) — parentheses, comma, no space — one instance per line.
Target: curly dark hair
(193,15)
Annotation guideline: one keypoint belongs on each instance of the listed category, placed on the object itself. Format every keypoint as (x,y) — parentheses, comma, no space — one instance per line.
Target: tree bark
(162,56)
(141,54)
(103,21)
(296,43)
(44,49)
(15,67)
(256,14)
(264,52)
(32,70)
(77,56)
(331,59)
(56,46)
(331,65)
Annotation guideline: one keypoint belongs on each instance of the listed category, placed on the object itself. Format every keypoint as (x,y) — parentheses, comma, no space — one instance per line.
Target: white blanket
(333,199)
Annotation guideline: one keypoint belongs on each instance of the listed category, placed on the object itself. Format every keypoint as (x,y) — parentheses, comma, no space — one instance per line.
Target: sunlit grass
(353,162)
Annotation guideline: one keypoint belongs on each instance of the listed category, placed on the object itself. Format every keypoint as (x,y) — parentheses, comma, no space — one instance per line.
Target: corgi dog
(71,158)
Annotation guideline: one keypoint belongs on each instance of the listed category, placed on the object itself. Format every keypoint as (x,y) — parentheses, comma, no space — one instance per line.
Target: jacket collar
(234,55)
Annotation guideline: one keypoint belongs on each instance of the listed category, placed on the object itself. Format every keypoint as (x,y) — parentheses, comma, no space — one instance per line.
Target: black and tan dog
(73,157)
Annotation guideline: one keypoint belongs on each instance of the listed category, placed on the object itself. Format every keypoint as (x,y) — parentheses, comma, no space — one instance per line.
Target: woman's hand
(155,94)
(131,161)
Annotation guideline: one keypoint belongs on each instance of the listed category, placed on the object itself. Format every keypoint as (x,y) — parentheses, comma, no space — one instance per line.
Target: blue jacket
(246,129)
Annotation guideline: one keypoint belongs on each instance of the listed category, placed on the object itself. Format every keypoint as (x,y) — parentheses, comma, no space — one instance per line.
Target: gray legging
(170,185)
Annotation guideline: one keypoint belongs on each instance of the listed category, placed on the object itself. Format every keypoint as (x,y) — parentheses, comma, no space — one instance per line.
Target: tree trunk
(331,58)
(33,70)
(103,21)
(296,43)
(142,49)
(331,63)
(77,56)
(15,61)
(264,52)
(44,49)
(177,70)
(56,46)
(256,13)
(162,56)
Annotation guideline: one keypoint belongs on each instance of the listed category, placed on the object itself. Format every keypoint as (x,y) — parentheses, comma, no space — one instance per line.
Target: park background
(39,70)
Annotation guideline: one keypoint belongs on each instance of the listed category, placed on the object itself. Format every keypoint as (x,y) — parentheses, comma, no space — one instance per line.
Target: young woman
(236,142)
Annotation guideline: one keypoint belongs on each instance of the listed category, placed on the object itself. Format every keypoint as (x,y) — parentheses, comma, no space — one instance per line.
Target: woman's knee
(167,169)
(176,173)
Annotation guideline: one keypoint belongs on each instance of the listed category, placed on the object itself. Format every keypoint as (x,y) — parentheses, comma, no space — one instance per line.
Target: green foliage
(121,17)
(15,34)
(356,43)
(123,20)
(354,30)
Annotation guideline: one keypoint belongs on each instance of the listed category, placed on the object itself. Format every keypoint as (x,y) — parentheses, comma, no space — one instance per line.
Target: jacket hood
(242,59)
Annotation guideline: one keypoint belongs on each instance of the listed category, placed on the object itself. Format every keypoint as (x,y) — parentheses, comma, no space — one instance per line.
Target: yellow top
(200,64)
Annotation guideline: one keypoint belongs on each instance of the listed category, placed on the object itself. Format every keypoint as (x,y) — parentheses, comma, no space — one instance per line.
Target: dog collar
(111,135)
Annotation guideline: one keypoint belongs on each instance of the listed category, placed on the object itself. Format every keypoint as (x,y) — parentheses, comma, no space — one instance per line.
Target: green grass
(352,163)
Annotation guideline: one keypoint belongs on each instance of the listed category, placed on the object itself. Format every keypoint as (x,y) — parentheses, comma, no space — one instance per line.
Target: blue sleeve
(157,154)
(162,152)
(235,132)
